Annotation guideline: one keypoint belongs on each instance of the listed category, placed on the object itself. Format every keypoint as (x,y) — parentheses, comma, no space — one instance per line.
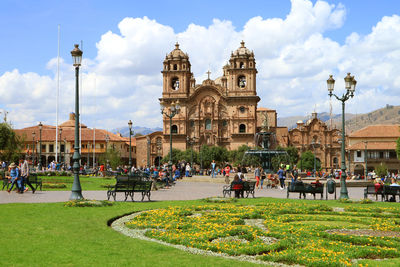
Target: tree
(112,157)
(236,156)
(381,170)
(10,143)
(176,156)
(306,161)
(398,148)
(251,160)
(293,153)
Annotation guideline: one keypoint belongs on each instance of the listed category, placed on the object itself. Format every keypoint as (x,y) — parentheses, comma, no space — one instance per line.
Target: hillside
(387,115)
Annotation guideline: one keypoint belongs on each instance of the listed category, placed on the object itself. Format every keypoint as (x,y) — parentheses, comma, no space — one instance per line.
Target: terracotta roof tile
(378,131)
(374,146)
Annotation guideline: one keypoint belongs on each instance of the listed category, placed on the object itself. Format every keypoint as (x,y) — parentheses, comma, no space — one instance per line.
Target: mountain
(291,122)
(387,115)
(136,130)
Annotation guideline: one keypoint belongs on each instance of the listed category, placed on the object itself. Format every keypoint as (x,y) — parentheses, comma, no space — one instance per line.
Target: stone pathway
(183,190)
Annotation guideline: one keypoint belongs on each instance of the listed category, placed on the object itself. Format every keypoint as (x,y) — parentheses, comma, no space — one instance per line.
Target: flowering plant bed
(88,203)
(290,233)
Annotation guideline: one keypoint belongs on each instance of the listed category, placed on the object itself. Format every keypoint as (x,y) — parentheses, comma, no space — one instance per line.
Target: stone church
(221,112)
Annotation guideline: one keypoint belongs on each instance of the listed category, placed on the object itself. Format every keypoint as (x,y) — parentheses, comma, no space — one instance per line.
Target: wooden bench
(391,191)
(143,187)
(304,189)
(130,185)
(123,184)
(248,188)
(35,180)
(371,190)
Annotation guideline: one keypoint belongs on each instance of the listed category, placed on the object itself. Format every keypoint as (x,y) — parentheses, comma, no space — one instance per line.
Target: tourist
(257,174)
(213,165)
(25,176)
(263,176)
(394,183)
(281,176)
(227,170)
(237,186)
(317,182)
(378,184)
(15,178)
(239,171)
(188,169)
(294,174)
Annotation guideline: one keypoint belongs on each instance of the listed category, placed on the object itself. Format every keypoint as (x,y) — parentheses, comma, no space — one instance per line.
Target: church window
(224,123)
(242,109)
(251,64)
(242,128)
(174,129)
(175,67)
(192,124)
(175,83)
(184,66)
(241,65)
(208,124)
(242,81)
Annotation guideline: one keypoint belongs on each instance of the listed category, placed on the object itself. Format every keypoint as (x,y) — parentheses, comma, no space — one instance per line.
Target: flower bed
(291,233)
(88,203)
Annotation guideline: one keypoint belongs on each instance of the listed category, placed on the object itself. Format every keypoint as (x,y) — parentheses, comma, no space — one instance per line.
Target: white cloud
(294,58)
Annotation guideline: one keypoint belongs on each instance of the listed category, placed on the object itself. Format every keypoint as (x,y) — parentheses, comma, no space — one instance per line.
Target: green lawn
(54,235)
(87,182)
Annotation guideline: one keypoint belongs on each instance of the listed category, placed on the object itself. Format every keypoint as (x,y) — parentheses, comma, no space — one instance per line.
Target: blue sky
(29,35)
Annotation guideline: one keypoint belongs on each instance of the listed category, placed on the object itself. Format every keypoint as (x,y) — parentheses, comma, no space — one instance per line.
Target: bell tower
(241,72)
(176,74)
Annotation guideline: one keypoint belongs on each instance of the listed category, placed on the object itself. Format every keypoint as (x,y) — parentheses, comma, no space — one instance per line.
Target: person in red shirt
(227,170)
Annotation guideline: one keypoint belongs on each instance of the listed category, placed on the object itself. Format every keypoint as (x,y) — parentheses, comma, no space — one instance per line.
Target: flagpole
(58,90)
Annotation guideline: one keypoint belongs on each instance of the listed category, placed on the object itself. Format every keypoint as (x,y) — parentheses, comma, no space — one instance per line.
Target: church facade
(220,112)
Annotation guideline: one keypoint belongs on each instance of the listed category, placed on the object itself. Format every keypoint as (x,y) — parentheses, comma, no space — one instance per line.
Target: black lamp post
(130,147)
(148,151)
(350,85)
(33,148)
(76,186)
(40,146)
(170,112)
(158,152)
(65,148)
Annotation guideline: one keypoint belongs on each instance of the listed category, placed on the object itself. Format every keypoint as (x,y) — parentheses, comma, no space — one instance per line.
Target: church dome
(242,51)
(177,53)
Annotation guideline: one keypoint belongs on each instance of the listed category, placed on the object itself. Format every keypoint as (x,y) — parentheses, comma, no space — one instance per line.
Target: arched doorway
(157,161)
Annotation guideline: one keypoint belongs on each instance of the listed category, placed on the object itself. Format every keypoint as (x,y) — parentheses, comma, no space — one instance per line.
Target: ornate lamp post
(148,151)
(33,148)
(158,152)
(350,85)
(76,186)
(130,147)
(40,145)
(65,148)
(170,112)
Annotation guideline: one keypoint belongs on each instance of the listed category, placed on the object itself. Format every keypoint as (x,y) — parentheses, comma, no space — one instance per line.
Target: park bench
(129,185)
(248,188)
(35,180)
(372,190)
(391,191)
(123,184)
(304,189)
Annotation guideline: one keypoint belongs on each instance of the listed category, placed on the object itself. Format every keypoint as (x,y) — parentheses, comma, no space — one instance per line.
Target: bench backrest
(391,190)
(33,177)
(143,185)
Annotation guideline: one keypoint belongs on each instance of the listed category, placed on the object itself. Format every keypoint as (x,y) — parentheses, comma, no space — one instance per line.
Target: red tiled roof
(378,131)
(374,146)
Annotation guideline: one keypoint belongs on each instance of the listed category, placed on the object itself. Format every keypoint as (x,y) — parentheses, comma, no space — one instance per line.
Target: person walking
(294,174)
(227,170)
(257,174)
(281,176)
(213,165)
(25,176)
(15,178)
(188,169)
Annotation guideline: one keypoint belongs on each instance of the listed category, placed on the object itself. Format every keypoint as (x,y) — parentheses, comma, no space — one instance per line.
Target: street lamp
(366,160)
(76,186)
(33,148)
(350,85)
(130,147)
(158,143)
(148,151)
(40,145)
(170,112)
(65,148)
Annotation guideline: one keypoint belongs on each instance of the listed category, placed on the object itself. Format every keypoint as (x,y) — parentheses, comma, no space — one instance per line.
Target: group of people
(18,175)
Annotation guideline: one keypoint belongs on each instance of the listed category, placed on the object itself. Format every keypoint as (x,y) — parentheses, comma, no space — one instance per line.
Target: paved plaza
(186,189)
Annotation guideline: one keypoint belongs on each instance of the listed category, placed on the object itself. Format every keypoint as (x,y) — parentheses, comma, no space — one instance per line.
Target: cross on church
(208,74)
